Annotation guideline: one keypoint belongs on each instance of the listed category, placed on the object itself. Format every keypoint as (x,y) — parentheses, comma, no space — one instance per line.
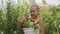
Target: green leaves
(51,19)
(28,24)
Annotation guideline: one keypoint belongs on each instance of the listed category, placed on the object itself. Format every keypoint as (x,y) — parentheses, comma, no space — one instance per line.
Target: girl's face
(34,12)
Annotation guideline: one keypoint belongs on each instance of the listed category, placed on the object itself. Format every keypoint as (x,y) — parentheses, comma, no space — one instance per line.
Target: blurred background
(12,10)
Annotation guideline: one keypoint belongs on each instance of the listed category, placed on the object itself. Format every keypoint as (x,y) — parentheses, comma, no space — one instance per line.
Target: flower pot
(29,31)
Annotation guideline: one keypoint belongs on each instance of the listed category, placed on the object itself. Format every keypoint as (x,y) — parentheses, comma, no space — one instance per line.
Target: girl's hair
(35,5)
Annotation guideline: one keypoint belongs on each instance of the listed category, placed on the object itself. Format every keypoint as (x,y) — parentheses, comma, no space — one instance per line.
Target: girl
(35,18)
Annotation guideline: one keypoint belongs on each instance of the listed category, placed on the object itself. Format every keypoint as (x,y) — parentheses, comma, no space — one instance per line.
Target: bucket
(29,31)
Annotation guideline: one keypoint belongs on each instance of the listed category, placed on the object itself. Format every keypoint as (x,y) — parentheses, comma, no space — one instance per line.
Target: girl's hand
(21,20)
(33,20)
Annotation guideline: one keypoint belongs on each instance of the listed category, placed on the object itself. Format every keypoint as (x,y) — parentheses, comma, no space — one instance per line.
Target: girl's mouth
(32,15)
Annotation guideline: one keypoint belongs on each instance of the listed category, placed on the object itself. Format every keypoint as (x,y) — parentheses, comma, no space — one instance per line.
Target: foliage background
(9,21)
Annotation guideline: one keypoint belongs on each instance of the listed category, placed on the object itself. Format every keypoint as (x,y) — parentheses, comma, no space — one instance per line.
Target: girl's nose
(31,12)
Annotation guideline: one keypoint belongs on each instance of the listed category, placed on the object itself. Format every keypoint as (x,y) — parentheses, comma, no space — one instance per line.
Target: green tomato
(37,27)
(31,24)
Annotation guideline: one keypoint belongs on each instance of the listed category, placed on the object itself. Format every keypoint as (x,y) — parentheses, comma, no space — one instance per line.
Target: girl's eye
(33,11)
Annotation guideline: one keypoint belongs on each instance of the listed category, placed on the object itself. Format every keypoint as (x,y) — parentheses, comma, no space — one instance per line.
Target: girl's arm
(21,25)
(41,26)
